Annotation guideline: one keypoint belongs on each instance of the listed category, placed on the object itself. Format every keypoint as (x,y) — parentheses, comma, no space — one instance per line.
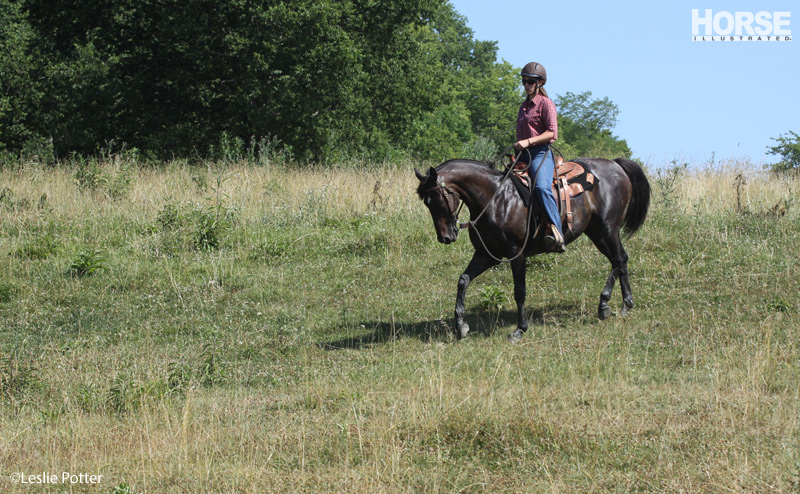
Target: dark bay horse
(619,200)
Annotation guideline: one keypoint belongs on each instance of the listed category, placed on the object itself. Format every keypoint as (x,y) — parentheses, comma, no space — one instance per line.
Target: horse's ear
(432,173)
(419,175)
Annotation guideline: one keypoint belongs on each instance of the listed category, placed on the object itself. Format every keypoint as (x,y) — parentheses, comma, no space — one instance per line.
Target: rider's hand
(520,145)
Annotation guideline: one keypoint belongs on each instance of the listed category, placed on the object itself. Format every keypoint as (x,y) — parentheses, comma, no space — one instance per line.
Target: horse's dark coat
(620,200)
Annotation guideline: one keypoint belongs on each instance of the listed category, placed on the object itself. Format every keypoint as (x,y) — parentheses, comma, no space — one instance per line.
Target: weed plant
(87,262)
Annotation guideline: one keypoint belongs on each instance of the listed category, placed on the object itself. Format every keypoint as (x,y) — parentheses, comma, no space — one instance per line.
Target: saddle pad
(523,187)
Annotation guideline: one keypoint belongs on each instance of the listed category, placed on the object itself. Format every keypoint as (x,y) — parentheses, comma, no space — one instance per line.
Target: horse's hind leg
(476,266)
(625,284)
(611,247)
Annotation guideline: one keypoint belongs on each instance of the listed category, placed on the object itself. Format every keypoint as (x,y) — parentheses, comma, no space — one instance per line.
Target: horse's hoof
(463,330)
(516,336)
(604,313)
(626,307)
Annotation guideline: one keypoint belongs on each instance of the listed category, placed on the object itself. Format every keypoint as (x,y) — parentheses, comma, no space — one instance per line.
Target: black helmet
(535,71)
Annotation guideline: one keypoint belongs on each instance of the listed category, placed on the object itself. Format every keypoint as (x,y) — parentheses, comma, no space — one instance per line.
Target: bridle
(454,212)
(454,206)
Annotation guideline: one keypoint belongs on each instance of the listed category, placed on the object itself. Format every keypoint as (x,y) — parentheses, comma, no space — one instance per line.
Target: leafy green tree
(19,94)
(788,149)
(592,115)
(493,101)
(331,80)
(584,126)
(475,98)
(327,78)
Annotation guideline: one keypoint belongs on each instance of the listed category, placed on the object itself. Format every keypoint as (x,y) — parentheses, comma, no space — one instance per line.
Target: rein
(471,224)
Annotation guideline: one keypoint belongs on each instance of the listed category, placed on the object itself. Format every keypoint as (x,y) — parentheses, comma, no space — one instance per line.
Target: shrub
(492,298)
(123,488)
(480,149)
(89,175)
(788,149)
(210,227)
(187,227)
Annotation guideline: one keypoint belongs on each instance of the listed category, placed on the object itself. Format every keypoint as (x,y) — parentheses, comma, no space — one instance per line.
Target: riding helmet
(535,70)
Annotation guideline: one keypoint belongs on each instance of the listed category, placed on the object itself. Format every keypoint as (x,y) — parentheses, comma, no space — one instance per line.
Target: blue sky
(679,99)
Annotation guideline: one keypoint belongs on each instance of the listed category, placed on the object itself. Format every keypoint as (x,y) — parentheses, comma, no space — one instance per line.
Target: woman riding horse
(619,199)
(537,127)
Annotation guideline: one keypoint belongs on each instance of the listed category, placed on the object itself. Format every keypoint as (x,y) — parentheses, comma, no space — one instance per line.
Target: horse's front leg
(518,267)
(478,264)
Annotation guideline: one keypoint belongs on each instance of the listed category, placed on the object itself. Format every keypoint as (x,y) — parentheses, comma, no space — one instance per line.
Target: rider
(536,129)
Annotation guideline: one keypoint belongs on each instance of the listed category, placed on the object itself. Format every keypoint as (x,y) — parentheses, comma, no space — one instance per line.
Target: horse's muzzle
(449,238)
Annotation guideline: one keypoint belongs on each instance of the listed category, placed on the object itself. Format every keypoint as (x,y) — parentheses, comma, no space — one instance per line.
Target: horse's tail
(640,197)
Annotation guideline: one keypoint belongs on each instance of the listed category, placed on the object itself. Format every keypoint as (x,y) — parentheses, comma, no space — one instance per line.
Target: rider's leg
(543,191)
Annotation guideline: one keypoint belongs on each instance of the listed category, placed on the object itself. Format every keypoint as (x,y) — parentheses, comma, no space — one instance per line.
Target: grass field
(268,329)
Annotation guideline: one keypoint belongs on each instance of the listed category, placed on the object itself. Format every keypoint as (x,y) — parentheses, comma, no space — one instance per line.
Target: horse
(618,201)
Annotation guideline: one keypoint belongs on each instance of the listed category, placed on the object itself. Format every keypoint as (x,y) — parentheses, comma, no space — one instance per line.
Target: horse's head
(442,202)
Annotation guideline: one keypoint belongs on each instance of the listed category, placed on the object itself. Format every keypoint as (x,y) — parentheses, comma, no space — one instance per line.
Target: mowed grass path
(242,329)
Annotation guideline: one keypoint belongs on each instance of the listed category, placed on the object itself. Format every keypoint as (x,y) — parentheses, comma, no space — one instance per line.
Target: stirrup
(554,245)
(554,242)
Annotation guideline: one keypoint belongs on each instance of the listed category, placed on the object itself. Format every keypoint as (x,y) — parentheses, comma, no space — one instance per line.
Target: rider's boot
(554,240)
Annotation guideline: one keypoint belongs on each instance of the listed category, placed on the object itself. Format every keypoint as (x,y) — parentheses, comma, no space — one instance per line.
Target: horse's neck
(476,186)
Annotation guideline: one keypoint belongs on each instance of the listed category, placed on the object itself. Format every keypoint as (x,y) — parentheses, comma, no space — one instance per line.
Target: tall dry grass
(728,186)
(311,352)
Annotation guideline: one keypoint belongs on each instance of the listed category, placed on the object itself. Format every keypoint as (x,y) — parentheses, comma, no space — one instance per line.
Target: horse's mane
(486,165)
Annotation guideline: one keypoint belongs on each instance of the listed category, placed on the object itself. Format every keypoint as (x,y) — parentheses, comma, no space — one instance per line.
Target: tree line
(324,80)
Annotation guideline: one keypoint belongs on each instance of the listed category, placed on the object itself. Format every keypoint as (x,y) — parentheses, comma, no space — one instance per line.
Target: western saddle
(570,178)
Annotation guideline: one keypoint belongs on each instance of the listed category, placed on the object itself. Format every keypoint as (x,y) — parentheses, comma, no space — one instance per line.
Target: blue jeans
(543,188)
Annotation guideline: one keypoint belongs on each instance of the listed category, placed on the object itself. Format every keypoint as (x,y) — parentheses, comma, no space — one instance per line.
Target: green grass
(269,329)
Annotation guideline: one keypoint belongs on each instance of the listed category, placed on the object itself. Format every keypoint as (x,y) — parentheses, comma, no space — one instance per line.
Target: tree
(788,149)
(476,98)
(375,79)
(172,76)
(584,126)
(592,115)
(19,94)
